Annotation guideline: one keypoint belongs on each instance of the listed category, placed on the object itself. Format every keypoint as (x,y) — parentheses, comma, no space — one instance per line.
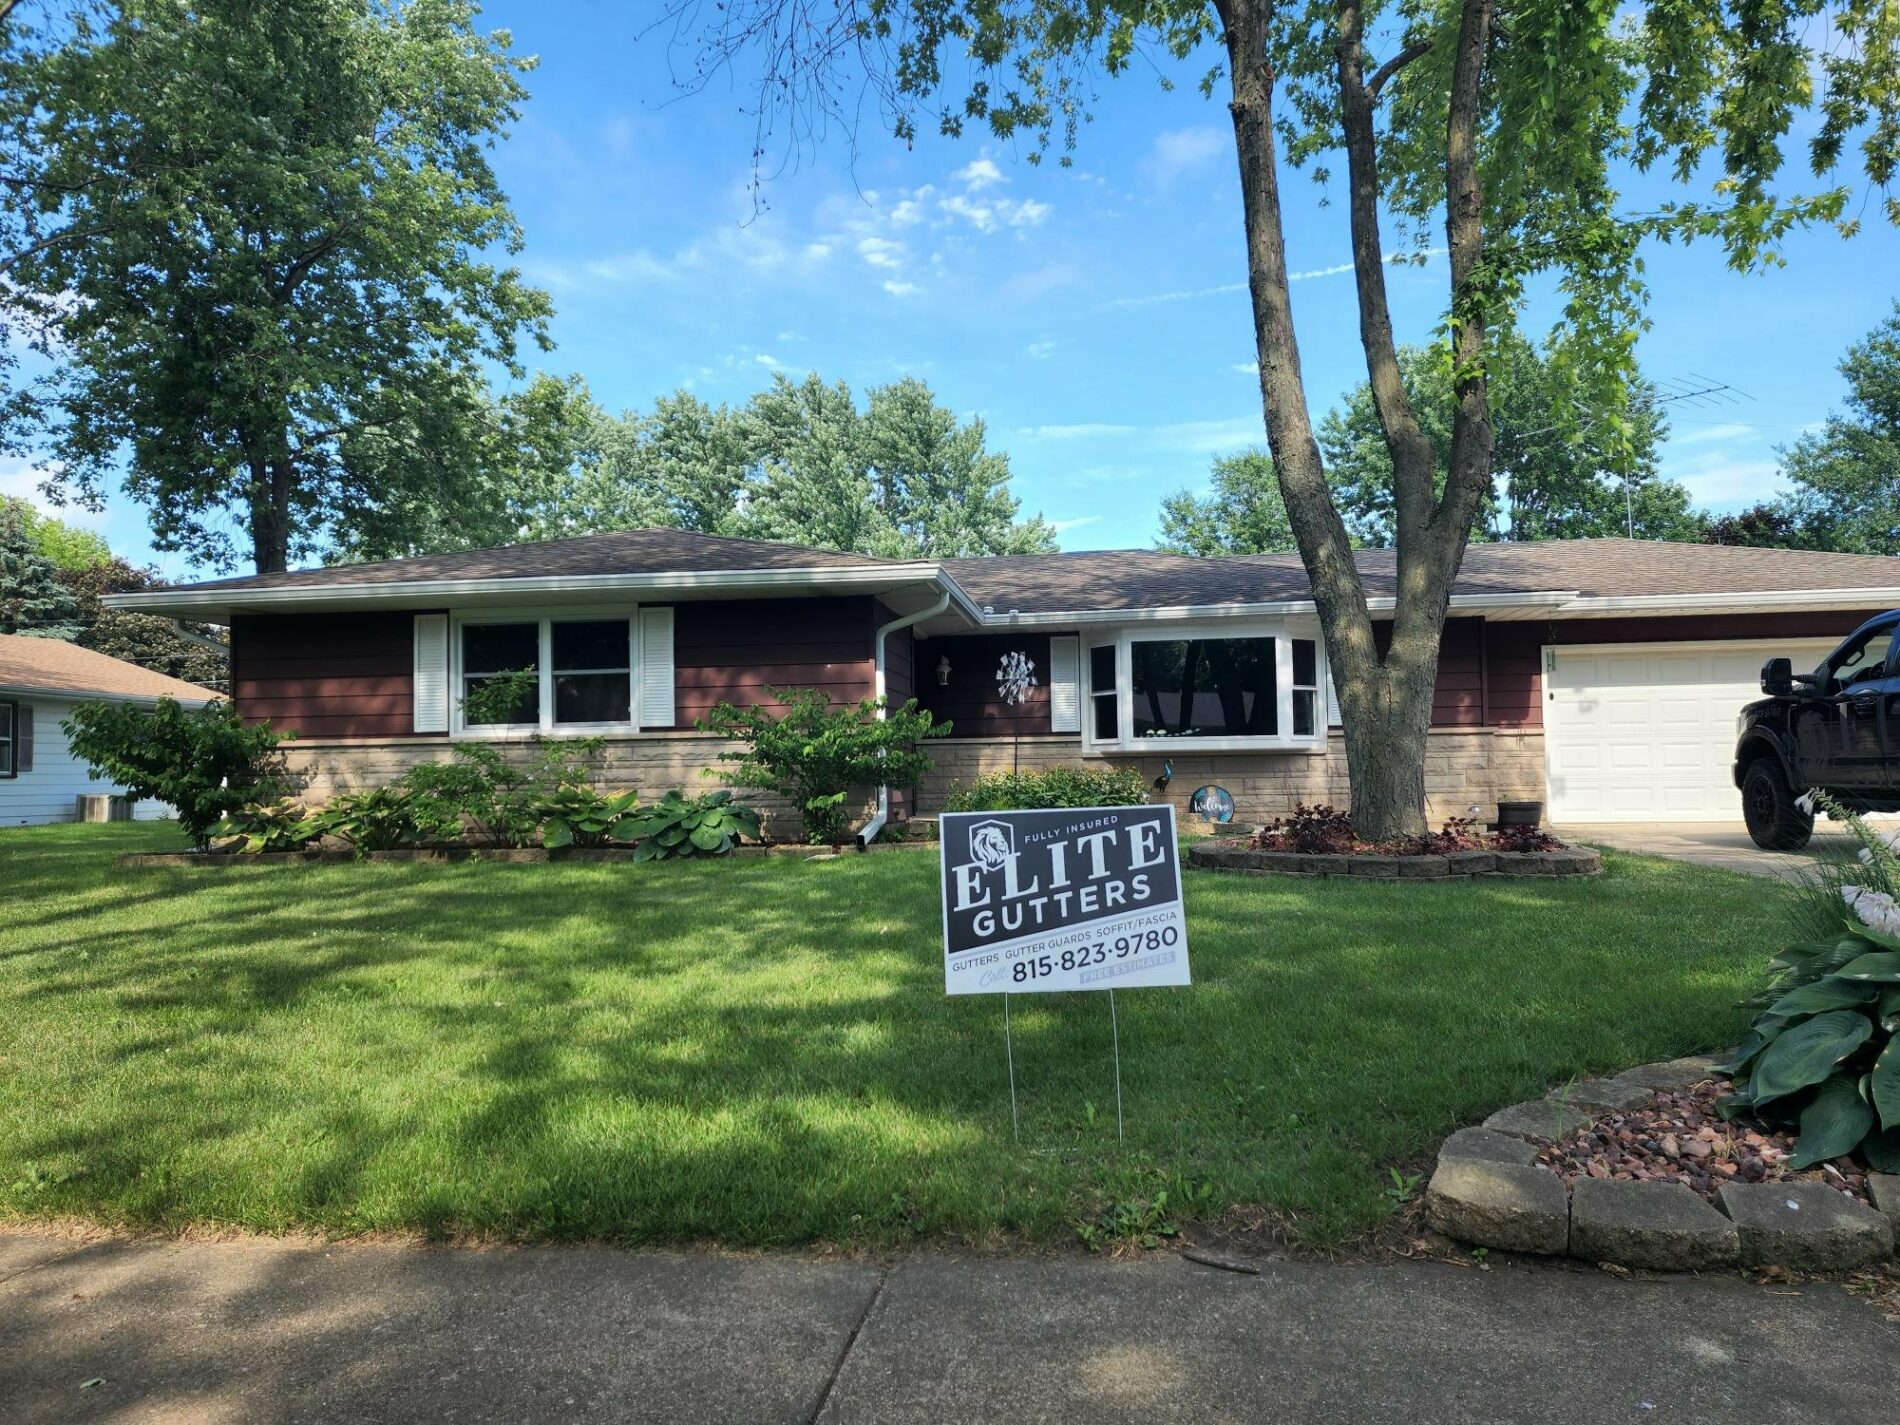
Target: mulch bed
(1679,1137)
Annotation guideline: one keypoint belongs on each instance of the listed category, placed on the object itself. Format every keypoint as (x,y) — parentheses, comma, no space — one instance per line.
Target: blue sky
(1095,317)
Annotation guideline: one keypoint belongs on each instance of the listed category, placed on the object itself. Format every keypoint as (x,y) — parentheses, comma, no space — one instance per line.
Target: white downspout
(869,831)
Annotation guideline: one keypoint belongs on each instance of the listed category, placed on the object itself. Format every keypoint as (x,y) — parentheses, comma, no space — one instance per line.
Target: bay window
(1254,687)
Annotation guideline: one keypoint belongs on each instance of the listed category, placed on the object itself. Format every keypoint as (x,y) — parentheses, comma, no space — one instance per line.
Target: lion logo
(991,844)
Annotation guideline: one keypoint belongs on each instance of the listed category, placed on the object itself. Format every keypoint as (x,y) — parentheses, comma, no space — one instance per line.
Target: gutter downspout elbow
(870,830)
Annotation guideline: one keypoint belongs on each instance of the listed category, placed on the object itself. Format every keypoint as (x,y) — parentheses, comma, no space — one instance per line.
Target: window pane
(500,647)
(593,697)
(1102,669)
(1303,703)
(526,708)
(1107,718)
(1305,663)
(595,644)
(1206,687)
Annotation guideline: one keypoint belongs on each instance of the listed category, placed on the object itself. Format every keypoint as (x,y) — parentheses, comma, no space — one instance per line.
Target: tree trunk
(271,484)
(1385,703)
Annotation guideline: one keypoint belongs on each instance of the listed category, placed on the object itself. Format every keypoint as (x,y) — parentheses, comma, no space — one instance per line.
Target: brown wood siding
(326,675)
(732,651)
(1514,691)
(969,700)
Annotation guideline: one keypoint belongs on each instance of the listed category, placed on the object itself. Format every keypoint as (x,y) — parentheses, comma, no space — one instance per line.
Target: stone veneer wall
(651,764)
(1463,767)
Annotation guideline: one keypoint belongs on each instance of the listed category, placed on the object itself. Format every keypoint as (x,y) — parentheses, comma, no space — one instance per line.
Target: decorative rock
(1608,1094)
(1525,863)
(1387,866)
(1885,1189)
(1471,863)
(1804,1226)
(1488,1147)
(1540,1118)
(1423,867)
(1328,865)
(1662,1226)
(1674,1074)
(1573,863)
(1503,1205)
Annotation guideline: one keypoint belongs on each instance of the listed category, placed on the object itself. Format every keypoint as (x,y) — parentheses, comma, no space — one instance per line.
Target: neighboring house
(41,681)
(1602,676)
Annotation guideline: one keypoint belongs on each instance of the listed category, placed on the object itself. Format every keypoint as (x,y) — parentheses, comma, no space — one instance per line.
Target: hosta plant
(378,820)
(1824,1054)
(285,825)
(677,825)
(581,816)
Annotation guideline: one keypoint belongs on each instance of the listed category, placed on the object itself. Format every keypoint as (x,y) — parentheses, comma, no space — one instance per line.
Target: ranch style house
(1601,677)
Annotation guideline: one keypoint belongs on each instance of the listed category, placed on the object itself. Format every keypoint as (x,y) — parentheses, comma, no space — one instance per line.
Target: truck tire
(1775,823)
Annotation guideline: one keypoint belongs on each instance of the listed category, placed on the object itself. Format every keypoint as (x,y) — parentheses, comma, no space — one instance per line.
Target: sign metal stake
(1009,1053)
(1115,1030)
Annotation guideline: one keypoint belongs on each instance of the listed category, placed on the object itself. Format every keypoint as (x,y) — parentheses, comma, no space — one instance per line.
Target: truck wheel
(1775,823)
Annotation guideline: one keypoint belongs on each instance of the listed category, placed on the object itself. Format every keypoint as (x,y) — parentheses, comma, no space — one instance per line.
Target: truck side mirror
(1777,677)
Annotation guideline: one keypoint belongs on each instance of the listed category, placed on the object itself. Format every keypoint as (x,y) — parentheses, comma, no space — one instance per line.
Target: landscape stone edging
(1234,855)
(1484,1192)
(502,854)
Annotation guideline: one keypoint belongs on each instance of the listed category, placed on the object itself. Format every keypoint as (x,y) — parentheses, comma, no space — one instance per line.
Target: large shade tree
(256,239)
(1505,125)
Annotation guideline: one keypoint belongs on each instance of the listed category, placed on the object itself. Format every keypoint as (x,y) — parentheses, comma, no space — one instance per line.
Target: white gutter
(1385,603)
(100,695)
(217,598)
(1739,601)
(869,831)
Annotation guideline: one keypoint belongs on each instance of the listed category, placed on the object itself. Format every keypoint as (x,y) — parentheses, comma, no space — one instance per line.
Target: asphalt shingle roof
(1144,578)
(47,665)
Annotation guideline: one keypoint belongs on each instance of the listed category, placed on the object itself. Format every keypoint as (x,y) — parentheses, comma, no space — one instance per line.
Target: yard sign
(1083,899)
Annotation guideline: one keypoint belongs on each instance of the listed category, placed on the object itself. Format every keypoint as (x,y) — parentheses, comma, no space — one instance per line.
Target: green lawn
(760,1052)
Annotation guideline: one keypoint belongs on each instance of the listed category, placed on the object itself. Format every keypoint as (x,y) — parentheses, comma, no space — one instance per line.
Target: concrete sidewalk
(259,1331)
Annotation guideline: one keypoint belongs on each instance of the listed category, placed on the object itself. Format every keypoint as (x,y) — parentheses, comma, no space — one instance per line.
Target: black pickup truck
(1835,730)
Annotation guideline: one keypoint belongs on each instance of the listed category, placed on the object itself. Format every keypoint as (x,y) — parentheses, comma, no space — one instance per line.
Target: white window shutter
(656,668)
(432,673)
(1332,701)
(23,738)
(1065,676)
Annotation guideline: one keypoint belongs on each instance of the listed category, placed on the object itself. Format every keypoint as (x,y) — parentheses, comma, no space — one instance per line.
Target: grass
(760,1052)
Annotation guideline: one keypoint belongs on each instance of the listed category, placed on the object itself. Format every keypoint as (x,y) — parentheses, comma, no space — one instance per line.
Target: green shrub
(1824,1054)
(206,762)
(282,825)
(678,825)
(505,801)
(382,819)
(815,755)
(1050,788)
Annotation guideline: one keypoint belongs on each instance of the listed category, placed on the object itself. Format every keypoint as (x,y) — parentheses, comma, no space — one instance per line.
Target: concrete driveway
(1714,843)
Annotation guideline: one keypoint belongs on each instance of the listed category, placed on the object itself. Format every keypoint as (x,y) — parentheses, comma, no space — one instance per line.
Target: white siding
(47,792)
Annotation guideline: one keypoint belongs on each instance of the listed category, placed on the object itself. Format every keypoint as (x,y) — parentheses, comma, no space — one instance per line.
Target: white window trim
(1123,639)
(544,619)
(11,768)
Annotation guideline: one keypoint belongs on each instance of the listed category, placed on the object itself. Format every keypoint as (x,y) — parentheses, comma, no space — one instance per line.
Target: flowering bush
(1824,1052)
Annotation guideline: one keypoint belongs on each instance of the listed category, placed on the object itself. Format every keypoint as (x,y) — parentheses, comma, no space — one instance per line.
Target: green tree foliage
(1244,513)
(205,762)
(1505,127)
(265,272)
(1565,449)
(816,755)
(1771,525)
(67,545)
(193,652)
(800,462)
(33,601)
(1846,476)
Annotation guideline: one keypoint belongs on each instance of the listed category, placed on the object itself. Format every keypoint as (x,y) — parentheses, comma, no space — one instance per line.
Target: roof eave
(216,604)
(101,695)
(1765,601)
(1512,605)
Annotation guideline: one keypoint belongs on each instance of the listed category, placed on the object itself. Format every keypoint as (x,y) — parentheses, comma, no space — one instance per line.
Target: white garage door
(1647,733)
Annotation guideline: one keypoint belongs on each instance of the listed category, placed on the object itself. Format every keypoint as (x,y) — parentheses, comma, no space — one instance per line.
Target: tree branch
(1413,460)
(1417,50)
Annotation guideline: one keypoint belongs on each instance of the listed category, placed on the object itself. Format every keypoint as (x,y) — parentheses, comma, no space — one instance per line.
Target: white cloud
(21,480)
(1181,151)
(771,362)
(1246,368)
(1041,350)
(1086,430)
(1079,522)
(901,289)
(979,173)
(1338,269)
(1722,483)
(1177,437)
(881,252)
(1711,435)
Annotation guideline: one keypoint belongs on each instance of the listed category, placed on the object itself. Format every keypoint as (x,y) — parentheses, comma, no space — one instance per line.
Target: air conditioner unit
(103,806)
